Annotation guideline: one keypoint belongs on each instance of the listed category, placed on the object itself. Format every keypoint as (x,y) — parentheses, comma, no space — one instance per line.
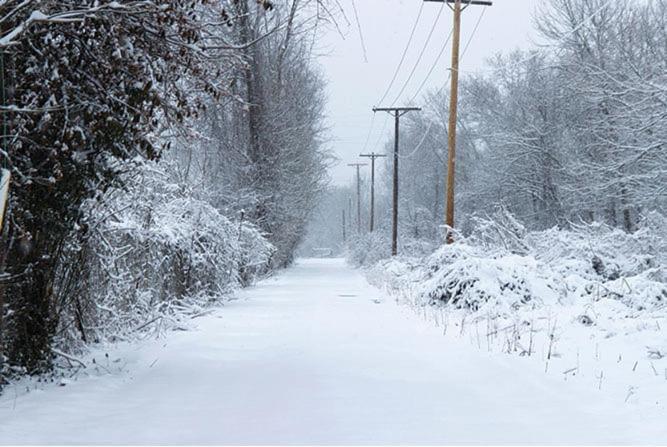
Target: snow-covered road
(316,356)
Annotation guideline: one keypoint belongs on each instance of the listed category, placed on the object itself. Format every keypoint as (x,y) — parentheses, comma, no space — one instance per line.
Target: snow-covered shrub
(394,274)
(368,249)
(500,231)
(415,247)
(647,290)
(86,89)
(501,267)
(464,276)
(152,253)
(609,252)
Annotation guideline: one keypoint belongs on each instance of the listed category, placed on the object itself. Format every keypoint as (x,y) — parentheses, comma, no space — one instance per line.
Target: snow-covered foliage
(86,86)
(152,253)
(226,90)
(369,248)
(501,267)
(266,154)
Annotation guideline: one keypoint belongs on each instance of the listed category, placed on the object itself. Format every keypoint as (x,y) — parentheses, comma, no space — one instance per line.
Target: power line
(444,47)
(370,130)
(384,127)
(474,31)
(377,143)
(421,55)
(430,71)
(361,35)
(405,52)
(465,50)
(420,144)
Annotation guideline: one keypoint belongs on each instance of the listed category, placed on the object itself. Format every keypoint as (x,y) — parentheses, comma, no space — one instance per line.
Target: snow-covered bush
(368,249)
(395,274)
(603,250)
(500,231)
(464,276)
(502,267)
(153,252)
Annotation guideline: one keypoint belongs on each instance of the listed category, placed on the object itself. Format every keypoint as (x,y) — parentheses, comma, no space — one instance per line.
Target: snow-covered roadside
(587,306)
(318,356)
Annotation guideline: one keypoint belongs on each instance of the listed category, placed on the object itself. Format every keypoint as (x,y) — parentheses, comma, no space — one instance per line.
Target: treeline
(161,154)
(576,130)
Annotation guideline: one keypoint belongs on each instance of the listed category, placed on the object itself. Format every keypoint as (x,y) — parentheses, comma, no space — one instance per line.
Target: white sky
(356,85)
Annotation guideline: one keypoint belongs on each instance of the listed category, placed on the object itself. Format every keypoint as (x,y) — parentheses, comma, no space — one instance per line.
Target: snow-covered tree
(86,86)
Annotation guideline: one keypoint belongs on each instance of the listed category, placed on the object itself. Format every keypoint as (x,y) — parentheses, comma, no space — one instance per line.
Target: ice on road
(316,356)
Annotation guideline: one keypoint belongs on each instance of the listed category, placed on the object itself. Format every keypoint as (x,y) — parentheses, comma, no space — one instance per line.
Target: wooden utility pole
(398,112)
(358,166)
(344,235)
(349,214)
(372,156)
(453,106)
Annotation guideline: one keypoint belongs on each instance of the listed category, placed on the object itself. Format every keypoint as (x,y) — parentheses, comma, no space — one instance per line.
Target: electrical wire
(474,31)
(361,34)
(405,52)
(384,127)
(465,50)
(421,54)
(432,123)
(393,79)
(433,66)
(444,47)
(368,136)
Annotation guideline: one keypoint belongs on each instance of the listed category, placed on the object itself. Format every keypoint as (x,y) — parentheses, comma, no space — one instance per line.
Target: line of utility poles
(458,7)
(358,166)
(372,156)
(398,112)
(453,107)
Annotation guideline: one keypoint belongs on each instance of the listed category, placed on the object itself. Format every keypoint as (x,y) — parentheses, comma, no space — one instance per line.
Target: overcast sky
(357,82)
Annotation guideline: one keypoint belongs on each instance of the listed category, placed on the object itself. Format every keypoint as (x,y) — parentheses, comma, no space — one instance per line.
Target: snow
(318,356)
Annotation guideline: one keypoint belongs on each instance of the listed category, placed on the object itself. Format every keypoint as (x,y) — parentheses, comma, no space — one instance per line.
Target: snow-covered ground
(317,356)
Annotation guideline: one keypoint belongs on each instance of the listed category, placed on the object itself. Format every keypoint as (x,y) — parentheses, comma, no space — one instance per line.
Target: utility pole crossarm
(466,2)
(400,111)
